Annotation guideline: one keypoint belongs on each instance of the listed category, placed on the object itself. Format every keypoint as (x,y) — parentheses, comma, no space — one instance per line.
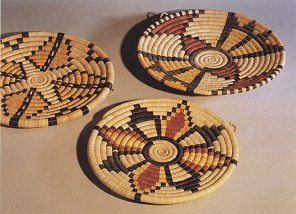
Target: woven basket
(210,52)
(50,78)
(162,151)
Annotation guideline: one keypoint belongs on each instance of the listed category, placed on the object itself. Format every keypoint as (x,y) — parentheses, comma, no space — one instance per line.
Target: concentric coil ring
(50,78)
(210,52)
(210,59)
(162,151)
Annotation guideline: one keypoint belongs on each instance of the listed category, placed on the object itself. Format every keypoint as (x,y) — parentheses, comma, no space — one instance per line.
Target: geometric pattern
(162,151)
(49,78)
(210,52)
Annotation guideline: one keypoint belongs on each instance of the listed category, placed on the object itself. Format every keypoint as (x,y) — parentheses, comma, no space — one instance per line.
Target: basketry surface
(50,78)
(210,52)
(162,151)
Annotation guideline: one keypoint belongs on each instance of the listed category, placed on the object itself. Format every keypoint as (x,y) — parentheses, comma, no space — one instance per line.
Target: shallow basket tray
(210,52)
(49,78)
(162,151)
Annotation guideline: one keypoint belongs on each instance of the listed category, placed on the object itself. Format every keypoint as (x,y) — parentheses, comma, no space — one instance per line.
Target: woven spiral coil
(210,52)
(162,151)
(50,78)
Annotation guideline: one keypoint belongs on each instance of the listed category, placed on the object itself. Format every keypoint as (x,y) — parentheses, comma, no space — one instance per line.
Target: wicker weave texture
(49,78)
(210,52)
(162,151)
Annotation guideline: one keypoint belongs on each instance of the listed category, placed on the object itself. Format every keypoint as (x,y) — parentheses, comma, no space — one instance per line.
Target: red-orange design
(149,177)
(175,124)
(250,81)
(172,23)
(193,44)
(108,132)
(230,71)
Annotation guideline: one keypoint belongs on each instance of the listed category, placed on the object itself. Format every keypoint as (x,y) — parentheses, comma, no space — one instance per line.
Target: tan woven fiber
(210,52)
(162,151)
(49,78)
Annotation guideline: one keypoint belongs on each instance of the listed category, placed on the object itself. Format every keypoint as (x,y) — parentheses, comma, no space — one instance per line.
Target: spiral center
(210,59)
(38,79)
(162,151)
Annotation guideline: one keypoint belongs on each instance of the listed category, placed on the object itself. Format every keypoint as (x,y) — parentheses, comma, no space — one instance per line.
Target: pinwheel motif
(162,151)
(210,52)
(49,78)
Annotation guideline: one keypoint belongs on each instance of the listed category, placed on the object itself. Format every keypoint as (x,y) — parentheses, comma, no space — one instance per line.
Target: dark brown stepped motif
(162,151)
(50,78)
(210,52)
